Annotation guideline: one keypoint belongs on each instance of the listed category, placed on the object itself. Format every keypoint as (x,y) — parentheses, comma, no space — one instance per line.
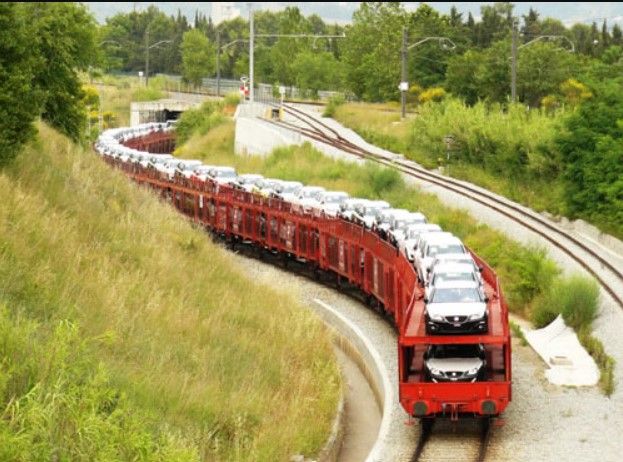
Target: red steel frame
(360,257)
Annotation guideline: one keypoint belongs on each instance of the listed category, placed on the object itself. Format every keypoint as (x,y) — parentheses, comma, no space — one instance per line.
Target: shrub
(574,297)
(332,105)
(433,94)
(147,94)
(232,99)
(199,121)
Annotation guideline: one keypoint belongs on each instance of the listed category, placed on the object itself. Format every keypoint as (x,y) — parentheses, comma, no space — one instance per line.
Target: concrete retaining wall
(258,137)
(356,345)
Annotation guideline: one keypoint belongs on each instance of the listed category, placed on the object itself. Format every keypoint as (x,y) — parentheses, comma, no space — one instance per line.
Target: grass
(517,332)
(136,337)
(531,281)
(508,153)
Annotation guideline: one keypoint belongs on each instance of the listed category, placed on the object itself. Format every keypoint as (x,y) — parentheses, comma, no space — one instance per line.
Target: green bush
(232,99)
(199,121)
(575,297)
(332,105)
(147,94)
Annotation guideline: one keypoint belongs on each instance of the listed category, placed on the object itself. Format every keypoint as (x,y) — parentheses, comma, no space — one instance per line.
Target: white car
(266,186)
(453,272)
(411,234)
(399,223)
(307,198)
(455,363)
(347,207)
(202,172)
(436,245)
(383,220)
(365,213)
(151,159)
(186,167)
(330,202)
(287,190)
(222,175)
(459,258)
(457,307)
(246,181)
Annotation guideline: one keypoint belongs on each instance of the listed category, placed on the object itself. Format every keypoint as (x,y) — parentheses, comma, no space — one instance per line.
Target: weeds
(187,345)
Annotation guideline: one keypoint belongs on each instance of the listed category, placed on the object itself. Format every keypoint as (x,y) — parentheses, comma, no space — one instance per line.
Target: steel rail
(477,195)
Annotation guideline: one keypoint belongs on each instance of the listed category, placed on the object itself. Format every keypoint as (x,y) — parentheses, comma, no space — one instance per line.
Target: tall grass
(508,151)
(188,343)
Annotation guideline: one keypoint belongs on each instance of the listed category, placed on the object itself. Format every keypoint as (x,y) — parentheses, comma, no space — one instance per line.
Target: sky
(341,12)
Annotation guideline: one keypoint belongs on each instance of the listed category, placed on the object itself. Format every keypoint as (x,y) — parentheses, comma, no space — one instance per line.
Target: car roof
(438,237)
(222,168)
(444,240)
(452,267)
(453,257)
(456,285)
(251,175)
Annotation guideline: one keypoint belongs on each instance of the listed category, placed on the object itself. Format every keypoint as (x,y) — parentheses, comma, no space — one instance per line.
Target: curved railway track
(318,130)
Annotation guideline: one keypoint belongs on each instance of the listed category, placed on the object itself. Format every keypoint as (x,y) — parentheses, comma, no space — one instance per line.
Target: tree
(198,56)
(317,71)
(592,150)
(19,100)
(541,69)
(372,50)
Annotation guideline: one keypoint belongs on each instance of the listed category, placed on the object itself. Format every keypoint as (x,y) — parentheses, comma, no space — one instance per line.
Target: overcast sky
(341,12)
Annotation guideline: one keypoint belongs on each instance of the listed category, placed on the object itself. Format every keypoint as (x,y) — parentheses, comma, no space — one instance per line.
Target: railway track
(444,440)
(594,263)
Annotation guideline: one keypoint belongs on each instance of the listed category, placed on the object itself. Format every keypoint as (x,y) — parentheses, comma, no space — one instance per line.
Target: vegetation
(128,335)
(564,161)
(199,120)
(197,57)
(39,71)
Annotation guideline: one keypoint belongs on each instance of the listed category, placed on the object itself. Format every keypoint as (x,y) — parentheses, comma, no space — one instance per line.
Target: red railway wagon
(362,258)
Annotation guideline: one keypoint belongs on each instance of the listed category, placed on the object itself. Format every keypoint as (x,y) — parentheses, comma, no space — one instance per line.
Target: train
(353,254)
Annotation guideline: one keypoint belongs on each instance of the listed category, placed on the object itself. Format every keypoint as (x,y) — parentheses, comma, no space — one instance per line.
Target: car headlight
(435,371)
(437,317)
(473,317)
(473,371)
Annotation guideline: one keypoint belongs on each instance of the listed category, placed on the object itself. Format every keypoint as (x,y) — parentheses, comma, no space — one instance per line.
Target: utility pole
(251,46)
(403,78)
(514,63)
(147,57)
(218,62)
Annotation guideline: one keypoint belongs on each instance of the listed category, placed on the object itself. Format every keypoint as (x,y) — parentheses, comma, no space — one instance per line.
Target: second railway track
(573,247)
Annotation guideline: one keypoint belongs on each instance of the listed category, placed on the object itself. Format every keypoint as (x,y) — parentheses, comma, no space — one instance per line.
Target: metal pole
(403,93)
(218,62)
(514,64)
(147,57)
(251,40)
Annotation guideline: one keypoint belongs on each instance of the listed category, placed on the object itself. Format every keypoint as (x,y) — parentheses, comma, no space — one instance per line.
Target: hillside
(127,334)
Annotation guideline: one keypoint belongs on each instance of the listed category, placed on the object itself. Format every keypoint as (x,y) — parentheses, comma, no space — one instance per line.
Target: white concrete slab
(568,362)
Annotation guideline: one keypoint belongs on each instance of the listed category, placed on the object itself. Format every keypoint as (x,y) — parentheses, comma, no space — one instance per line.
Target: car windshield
(307,194)
(456,295)
(443,249)
(332,199)
(224,173)
(452,277)
(456,351)
(289,189)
